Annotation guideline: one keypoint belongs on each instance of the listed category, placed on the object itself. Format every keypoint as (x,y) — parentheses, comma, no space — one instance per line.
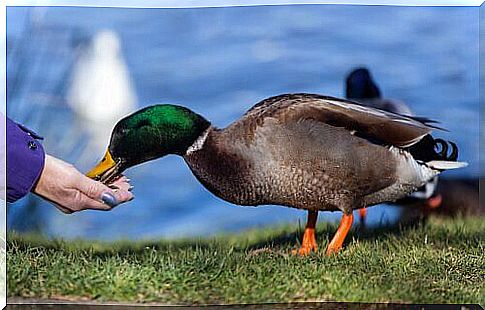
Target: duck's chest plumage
(308,165)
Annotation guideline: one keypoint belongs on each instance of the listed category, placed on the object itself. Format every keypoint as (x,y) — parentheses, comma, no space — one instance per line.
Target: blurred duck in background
(361,87)
(457,197)
(101,90)
(461,198)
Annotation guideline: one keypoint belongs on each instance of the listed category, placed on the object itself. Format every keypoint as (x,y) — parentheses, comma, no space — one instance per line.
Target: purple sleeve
(25,160)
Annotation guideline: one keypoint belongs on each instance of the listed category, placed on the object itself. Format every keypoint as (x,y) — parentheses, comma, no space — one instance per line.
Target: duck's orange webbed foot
(336,244)
(309,242)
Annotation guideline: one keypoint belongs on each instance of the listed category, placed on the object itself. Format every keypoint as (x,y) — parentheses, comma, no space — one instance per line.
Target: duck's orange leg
(309,243)
(362,215)
(434,201)
(336,244)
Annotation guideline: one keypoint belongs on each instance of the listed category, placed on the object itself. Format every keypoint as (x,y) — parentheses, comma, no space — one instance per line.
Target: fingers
(121,183)
(71,191)
(86,203)
(123,195)
(106,202)
(122,189)
(98,196)
(92,189)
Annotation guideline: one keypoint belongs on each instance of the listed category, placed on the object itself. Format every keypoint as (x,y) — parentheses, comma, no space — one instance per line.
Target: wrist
(25,161)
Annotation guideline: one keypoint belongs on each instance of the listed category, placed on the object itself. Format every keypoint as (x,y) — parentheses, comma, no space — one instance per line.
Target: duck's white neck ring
(199,142)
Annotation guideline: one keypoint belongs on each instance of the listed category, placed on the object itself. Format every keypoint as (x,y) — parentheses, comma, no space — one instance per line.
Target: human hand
(71,191)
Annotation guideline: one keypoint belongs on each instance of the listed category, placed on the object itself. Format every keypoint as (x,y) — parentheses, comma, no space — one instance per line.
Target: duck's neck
(199,142)
(216,165)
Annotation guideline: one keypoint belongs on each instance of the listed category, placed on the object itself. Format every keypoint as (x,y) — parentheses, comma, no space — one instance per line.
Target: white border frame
(228,3)
(149,4)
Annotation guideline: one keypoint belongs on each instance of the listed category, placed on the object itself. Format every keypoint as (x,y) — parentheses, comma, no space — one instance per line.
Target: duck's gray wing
(371,123)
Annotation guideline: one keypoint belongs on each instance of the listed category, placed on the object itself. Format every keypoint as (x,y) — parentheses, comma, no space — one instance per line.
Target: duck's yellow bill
(106,164)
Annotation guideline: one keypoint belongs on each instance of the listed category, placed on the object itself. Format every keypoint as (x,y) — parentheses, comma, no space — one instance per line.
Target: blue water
(221,61)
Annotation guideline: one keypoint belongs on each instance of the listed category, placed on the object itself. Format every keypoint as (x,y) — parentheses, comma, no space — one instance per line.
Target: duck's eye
(142,123)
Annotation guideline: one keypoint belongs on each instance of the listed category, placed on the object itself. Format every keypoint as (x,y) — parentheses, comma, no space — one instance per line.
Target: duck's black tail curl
(429,149)
(440,143)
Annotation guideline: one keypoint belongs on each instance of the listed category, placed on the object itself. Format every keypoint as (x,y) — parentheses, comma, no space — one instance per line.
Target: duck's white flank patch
(199,143)
(410,170)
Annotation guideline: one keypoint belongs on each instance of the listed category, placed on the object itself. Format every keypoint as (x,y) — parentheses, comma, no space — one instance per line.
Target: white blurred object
(101,91)
(101,87)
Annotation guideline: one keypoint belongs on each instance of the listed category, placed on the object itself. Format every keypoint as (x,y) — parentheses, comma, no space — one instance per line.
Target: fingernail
(131,188)
(109,199)
(132,197)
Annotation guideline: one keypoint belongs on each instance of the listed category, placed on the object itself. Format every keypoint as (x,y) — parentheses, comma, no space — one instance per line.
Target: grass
(441,261)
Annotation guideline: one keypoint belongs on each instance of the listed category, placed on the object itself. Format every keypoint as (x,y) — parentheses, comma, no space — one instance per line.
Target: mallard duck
(305,151)
(361,87)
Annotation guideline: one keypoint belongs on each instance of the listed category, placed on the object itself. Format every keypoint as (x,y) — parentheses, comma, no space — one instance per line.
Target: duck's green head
(148,134)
